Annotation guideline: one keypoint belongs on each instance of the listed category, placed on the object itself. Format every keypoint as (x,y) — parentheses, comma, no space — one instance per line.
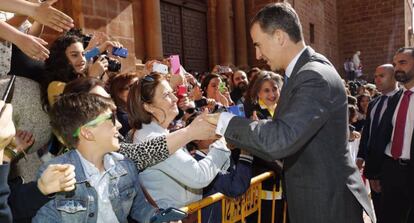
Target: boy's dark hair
(73,110)
(82,85)
(279,16)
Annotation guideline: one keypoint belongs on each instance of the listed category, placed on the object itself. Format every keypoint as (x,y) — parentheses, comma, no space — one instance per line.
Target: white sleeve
(223,122)
(195,174)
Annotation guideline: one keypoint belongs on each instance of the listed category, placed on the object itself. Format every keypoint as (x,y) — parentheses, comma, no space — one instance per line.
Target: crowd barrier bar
(237,209)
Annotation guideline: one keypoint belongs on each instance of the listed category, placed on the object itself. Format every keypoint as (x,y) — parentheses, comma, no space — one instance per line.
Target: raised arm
(41,12)
(153,151)
(30,45)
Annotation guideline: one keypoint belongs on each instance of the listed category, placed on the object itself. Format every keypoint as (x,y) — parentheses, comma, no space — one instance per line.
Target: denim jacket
(81,206)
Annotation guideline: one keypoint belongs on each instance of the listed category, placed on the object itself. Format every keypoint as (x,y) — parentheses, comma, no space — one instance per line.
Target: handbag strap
(148,196)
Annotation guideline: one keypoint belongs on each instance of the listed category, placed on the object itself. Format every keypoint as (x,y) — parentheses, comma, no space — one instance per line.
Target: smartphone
(8,93)
(237,110)
(222,87)
(175,64)
(169,214)
(160,68)
(92,53)
(181,91)
(120,51)
(224,69)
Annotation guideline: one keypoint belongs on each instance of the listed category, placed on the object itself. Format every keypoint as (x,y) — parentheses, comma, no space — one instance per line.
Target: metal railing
(237,209)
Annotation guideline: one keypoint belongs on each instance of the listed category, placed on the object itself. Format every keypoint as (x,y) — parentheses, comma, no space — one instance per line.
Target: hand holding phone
(237,110)
(169,214)
(160,68)
(181,91)
(222,87)
(120,51)
(175,64)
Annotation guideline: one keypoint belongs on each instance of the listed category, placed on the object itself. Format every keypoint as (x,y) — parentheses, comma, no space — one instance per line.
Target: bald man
(387,85)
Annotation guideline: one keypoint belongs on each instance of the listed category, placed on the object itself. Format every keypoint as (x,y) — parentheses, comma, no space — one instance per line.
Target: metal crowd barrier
(237,209)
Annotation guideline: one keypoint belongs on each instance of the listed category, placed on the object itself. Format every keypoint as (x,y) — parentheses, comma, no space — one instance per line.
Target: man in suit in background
(389,156)
(387,85)
(309,129)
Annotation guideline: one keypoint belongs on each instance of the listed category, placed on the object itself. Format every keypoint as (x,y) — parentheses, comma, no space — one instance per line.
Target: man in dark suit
(309,130)
(387,85)
(389,156)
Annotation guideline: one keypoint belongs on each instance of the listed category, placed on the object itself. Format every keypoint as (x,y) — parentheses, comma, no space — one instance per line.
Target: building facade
(209,32)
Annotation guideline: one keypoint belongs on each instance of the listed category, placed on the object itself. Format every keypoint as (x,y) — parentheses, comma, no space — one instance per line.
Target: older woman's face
(165,102)
(75,56)
(269,92)
(213,87)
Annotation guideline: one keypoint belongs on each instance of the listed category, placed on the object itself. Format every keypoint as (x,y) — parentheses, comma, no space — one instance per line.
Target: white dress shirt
(384,107)
(408,132)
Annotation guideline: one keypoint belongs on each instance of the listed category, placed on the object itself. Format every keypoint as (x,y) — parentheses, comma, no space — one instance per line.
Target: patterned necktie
(375,120)
(398,138)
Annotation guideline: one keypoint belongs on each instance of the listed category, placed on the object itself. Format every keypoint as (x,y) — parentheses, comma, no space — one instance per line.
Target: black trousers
(397,184)
(376,200)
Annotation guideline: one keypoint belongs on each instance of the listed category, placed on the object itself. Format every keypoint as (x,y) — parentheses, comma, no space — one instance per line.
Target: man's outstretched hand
(50,16)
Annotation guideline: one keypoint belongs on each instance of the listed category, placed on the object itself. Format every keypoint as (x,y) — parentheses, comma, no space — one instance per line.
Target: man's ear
(87,134)
(279,36)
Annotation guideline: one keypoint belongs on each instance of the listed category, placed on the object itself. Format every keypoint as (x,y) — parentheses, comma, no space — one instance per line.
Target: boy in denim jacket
(107,186)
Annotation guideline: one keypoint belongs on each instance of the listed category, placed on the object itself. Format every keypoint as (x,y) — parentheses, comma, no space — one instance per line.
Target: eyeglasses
(96,121)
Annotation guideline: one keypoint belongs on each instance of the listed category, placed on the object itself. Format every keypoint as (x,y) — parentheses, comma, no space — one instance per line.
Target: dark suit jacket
(376,149)
(366,132)
(310,132)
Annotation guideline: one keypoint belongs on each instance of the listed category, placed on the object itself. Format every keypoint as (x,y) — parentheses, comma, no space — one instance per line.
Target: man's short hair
(73,110)
(279,16)
(403,49)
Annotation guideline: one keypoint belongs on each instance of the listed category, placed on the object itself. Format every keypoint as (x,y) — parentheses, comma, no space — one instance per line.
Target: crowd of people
(126,146)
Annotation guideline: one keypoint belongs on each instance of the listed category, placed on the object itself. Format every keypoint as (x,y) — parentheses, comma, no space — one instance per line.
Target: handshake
(204,127)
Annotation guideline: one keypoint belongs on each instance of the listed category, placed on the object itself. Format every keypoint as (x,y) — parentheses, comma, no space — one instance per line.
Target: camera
(113,65)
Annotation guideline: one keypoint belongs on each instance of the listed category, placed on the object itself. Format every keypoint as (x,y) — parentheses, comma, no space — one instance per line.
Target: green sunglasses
(96,121)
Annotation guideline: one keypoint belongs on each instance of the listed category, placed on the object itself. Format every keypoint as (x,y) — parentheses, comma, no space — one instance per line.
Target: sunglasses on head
(96,121)
(145,80)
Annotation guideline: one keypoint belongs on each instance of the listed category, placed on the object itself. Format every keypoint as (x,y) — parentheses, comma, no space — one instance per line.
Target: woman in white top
(178,180)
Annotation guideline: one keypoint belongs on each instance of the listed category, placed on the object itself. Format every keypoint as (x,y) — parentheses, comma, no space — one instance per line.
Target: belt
(399,161)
